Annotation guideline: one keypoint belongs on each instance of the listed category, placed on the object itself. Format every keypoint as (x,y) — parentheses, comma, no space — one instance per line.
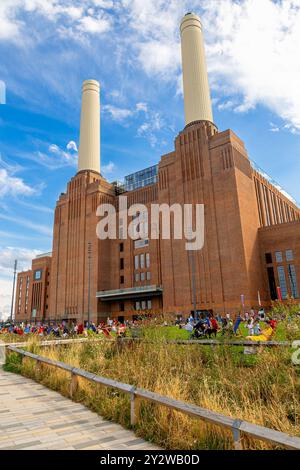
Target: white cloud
(106,4)
(117,114)
(159,58)
(54,158)
(274,128)
(13,186)
(13,28)
(142,107)
(252,48)
(89,24)
(150,127)
(72,146)
(5,297)
(23,255)
(252,45)
(8,255)
(38,228)
(108,169)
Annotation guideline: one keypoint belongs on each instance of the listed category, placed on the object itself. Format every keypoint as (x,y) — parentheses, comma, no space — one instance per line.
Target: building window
(137,277)
(269,259)
(121,247)
(141,243)
(144,305)
(38,275)
(136,262)
(282,281)
(20,294)
(289,255)
(138,306)
(142,261)
(148,276)
(278,257)
(121,279)
(147,260)
(122,263)
(293,281)
(272,283)
(26,295)
(142,276)
(149,304)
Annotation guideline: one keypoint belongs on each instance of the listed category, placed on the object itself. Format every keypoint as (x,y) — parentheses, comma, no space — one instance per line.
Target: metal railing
(236,426)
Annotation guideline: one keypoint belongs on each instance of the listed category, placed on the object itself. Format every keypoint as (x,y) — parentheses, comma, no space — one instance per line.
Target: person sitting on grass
(256,329)
(250,326)
(265,335)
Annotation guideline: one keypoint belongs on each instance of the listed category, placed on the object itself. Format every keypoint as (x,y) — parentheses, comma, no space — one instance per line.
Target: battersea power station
(251,251)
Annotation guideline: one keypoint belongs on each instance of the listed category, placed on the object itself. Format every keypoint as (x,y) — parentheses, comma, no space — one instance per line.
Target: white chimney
(197,102)
(89,145)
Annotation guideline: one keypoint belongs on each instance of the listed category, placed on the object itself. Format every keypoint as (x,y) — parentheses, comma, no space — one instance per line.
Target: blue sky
(48,47)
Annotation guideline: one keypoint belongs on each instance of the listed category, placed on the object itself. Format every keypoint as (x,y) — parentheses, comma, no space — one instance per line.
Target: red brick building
(252,229)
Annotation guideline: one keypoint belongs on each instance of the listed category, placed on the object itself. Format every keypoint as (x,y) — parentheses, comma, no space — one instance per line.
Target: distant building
(252,229)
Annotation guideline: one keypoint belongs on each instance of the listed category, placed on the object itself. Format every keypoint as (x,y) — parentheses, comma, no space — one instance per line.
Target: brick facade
(245,218)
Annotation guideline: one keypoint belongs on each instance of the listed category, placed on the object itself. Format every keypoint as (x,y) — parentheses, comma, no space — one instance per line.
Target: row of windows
(142,276)
(137,244)
(142,261)
(143,305)
(138,277)
(279,256)
(292,280)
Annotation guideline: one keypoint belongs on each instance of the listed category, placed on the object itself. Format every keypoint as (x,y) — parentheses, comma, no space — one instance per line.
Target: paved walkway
(34,417)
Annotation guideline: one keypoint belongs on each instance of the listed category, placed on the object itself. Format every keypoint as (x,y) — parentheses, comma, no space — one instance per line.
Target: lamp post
(89,280)
(193,275)
(13,292)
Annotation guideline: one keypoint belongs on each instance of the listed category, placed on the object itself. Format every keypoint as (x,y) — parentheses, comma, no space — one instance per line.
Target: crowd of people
(64,329)
(257,325)
(253,325)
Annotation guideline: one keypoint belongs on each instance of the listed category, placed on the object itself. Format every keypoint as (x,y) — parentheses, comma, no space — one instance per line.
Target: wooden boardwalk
(34,417)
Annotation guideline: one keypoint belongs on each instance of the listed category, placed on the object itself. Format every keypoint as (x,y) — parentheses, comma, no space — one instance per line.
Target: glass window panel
(148,275)
(142,261)
(293,281)
(148,260)
(149,304)
(136,262)
(282,281)
(289,255)
(142,276)
(278,257)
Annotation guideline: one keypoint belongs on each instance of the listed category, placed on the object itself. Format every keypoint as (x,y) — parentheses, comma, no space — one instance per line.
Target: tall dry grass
(264,389)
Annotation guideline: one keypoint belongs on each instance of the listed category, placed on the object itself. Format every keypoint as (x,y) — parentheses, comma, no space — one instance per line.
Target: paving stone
(47,420)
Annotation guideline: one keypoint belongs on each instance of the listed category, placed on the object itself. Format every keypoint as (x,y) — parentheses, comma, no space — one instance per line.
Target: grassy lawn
(174,333)
(262,388)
